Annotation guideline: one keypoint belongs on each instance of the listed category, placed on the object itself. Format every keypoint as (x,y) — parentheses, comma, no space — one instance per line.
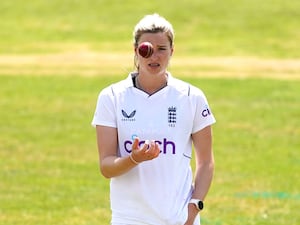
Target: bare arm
(111,164)
(202,141)
(204,162)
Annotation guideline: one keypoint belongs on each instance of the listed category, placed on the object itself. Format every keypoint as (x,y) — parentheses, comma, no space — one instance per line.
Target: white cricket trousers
(196,222)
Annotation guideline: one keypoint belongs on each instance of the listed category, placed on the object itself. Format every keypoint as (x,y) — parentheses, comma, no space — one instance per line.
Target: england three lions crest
(172,113)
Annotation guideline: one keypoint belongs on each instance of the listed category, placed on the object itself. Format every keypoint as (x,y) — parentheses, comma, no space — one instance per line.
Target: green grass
(49,168)
(48,157)
(49,163)
(267,28)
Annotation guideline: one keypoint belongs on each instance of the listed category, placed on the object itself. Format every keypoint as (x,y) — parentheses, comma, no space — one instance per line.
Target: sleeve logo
(206,112)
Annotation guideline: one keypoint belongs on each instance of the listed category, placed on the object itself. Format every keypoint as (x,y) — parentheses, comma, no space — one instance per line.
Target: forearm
(203,179)
(113,166)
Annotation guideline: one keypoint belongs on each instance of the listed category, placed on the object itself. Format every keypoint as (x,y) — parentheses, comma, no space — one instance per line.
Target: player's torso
(166,117)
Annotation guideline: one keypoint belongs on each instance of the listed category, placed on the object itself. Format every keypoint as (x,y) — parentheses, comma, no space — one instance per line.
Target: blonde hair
(153,24)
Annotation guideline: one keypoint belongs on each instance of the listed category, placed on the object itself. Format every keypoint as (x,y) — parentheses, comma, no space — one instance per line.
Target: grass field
(56,56)
(49,169)
(207,27)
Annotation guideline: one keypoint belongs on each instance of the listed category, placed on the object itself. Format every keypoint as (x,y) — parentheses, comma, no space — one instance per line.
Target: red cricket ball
(145,49)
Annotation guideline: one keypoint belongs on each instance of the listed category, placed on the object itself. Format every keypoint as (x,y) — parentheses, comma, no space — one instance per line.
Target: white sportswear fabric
(155,192)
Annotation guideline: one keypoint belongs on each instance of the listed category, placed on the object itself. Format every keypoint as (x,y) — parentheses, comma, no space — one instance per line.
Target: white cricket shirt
(154,192)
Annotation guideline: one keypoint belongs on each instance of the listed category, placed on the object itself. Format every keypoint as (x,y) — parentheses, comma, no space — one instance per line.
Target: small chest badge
(172,116)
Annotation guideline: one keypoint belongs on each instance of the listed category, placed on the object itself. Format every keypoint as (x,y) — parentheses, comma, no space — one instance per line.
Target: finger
(151,146)
(146,146)
(135,144)
(157,150)
(153,150)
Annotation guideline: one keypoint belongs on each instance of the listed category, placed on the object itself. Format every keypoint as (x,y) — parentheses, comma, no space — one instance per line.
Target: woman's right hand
(148,151)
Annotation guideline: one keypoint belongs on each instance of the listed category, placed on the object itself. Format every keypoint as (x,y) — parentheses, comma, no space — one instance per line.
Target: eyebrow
(162,46)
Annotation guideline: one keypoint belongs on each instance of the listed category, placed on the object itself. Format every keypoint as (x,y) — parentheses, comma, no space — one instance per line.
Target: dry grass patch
(86,63)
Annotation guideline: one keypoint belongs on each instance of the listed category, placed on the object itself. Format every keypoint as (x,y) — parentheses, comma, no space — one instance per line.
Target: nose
(155,54)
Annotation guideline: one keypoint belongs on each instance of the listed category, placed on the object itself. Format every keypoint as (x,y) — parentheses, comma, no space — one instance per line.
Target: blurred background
(55,57)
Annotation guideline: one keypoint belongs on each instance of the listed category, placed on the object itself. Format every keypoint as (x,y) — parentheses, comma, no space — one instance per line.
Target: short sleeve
(203,114)
(105,109)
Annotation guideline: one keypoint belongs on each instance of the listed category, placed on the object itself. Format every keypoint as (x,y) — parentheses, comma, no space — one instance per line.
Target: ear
(135,48)
(172,50)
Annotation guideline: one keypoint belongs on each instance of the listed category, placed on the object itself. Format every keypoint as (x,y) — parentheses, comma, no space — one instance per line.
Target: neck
(150,86)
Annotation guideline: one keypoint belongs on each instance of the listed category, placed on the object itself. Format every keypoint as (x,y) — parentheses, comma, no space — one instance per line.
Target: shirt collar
(129,79)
